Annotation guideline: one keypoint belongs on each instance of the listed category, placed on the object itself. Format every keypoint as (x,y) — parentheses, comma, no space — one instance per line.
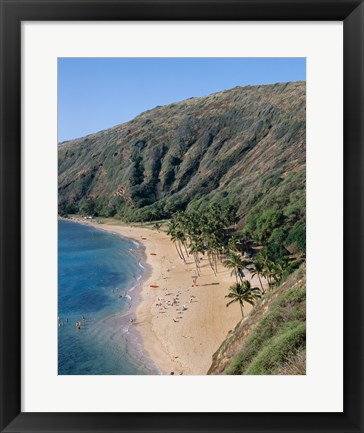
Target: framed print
(181,216)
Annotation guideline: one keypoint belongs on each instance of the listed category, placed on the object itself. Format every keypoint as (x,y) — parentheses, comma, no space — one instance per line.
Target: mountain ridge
(243,146)
(169,104)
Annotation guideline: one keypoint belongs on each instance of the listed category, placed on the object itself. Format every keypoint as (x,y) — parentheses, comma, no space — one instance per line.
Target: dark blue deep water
(98,278)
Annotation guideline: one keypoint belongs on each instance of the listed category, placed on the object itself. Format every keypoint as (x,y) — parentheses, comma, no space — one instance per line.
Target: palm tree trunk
(177,250)
(212,261)
(215,260)
(261,285)
(196,263)
(241,308)
(180,249)
(240,277)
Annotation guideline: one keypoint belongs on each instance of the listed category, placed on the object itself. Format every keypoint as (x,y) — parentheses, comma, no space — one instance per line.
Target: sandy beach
(181,342)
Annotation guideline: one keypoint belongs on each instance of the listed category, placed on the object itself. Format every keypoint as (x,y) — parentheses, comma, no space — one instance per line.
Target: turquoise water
(98,278)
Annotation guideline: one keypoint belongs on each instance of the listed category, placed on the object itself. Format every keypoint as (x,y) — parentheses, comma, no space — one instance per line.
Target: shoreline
(178,342)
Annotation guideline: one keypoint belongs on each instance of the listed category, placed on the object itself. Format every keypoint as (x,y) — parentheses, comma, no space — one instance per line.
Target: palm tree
(234,244)
(195,250)
(268,269)
(258,271)
(212,249)
(268,272)
(157,226)
(234,262)
(175,234)
(243,292)
(153,214)
(279,269)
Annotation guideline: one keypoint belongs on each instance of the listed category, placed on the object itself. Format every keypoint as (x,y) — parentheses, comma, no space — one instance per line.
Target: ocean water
(98,278)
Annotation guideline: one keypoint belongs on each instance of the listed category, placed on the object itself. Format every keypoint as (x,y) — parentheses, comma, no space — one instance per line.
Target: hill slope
(244,146)
(272,339)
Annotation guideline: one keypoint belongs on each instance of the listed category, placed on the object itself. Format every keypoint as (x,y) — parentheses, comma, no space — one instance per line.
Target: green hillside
(243,147)
(272,339)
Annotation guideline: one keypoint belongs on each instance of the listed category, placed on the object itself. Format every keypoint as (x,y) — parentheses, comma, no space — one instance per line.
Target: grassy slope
(272,339)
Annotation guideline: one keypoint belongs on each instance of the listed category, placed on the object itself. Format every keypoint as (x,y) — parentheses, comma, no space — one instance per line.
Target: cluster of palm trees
(269,268)
(208,232)
(261,266)
(198,233)
(242,291)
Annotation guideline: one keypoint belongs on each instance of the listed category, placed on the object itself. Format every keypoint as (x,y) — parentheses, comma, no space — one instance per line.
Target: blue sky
(98,93)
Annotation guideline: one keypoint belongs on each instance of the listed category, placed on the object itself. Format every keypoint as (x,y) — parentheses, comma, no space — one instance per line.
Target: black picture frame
(13,12)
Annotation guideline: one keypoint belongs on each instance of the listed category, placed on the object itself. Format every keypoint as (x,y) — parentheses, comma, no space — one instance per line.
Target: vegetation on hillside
(213,233)
(198,233)
(241,148)
(272,340)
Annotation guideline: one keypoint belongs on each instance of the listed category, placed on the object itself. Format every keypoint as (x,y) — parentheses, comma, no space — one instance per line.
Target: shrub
(279,348)
(296,239)
(276,337)
(267,222)
(88,207)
